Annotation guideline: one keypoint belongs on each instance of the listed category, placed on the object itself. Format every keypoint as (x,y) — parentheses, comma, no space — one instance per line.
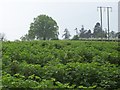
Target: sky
(16,15)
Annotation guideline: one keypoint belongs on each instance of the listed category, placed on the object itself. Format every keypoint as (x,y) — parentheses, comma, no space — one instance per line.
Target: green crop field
(89,65)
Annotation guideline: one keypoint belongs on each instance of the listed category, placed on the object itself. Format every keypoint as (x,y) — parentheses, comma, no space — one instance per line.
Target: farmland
(61,64)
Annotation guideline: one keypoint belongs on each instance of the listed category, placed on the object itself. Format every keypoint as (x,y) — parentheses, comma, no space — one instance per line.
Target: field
(61,64)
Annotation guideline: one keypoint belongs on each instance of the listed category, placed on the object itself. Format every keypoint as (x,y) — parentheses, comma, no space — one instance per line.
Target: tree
(76,30)
(112,34)
(82,32)
(106,33)
(118,35)
(2,37)
(66,35)
(75,37)
(98,32)
(25,37)
(88,34)
(43,27)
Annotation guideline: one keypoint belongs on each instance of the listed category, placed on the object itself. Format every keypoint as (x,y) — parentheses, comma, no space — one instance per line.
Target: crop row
(61,64)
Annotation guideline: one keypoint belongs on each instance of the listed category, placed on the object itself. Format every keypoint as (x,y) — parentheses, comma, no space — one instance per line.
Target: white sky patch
(59,1)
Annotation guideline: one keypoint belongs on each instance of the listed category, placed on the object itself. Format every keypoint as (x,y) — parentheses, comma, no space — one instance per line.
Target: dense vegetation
(61,64)
(43,27)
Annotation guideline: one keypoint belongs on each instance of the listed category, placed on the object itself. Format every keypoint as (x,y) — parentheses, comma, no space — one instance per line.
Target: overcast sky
(16,15)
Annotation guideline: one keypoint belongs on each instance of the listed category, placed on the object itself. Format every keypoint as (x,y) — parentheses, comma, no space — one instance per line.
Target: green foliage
(75,37)
(98,32)
(43,27)
(66,34)
(61,64)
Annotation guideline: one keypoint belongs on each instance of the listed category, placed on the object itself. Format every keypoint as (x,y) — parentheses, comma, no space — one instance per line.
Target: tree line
(98,33)
(44,27)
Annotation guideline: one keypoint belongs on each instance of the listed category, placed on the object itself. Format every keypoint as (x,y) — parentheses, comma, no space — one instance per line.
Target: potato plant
(61,64)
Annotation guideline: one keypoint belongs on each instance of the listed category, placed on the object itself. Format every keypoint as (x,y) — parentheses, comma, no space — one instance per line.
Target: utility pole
(108,8)
(100,18)
(100,14)
(108,20)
